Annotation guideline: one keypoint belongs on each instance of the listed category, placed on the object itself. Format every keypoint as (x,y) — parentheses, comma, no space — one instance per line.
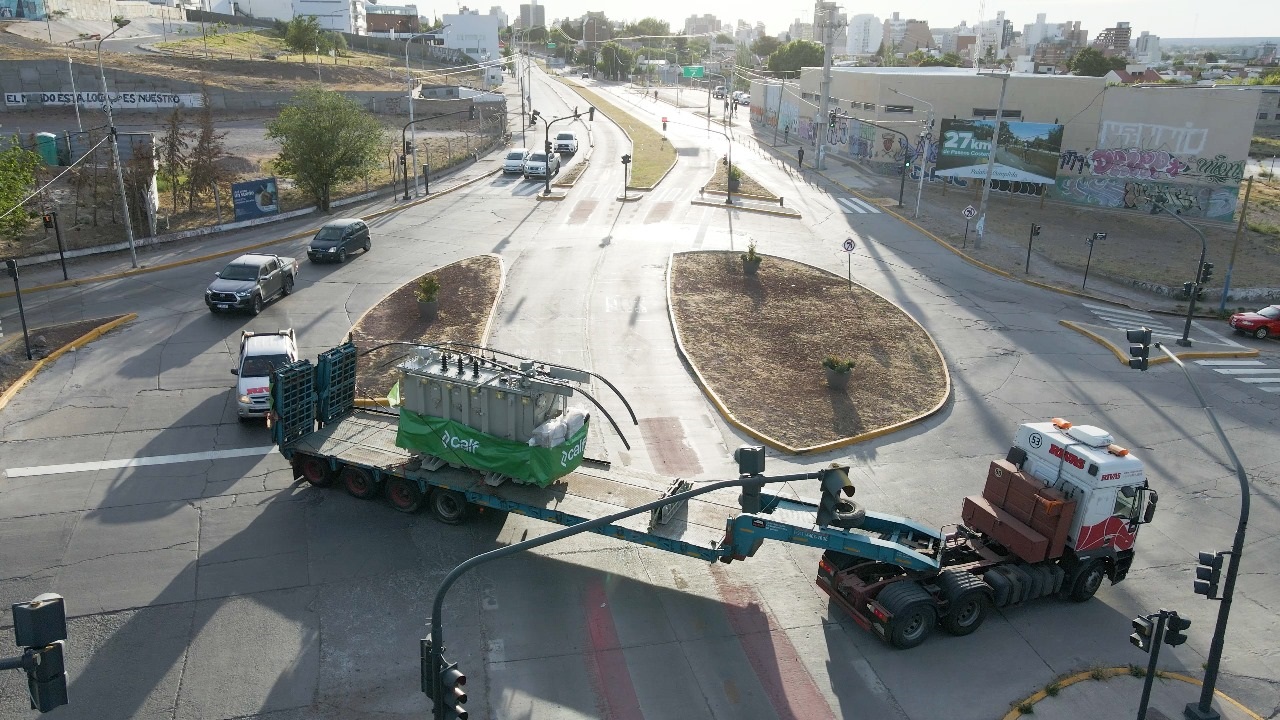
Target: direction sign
(969,212)
(848,245)
(551,46)
(692,71)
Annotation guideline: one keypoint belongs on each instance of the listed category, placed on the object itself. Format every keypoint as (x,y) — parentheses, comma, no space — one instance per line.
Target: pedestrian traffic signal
(452,694)
(1139,347)
(1173,629)
(1206,273)
(48,221)
(664,124)
(1035,230)
(1208,573)
(1144,629)
(591,113)
(834,481)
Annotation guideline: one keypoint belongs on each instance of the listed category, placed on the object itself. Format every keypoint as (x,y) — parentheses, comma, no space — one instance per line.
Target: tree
(1092,63)
(724,39)
(203,169)
(764,46)
(795,55)
(302,35)
(173,152)
(917,58)
(1211,57)
(615,60)
(325,138)
(17,175)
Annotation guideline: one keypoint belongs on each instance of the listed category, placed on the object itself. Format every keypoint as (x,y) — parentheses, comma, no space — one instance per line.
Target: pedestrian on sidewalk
(800,159)
(785,132)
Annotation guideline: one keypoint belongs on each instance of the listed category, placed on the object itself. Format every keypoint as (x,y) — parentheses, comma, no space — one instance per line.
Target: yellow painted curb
(770,441)
(1107,674)
(1123,356)
(793,214)
(235,251)
(88,337)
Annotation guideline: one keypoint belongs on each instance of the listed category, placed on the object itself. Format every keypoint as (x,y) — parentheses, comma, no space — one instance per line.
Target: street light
(115,146)
(1158,204)
(924,135)
(991,158)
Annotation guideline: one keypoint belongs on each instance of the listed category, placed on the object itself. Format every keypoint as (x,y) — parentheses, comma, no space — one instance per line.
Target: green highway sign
(551,46)
(692,71)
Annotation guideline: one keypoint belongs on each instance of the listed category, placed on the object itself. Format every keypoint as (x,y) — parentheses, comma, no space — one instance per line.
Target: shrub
(837,364)
(428,289)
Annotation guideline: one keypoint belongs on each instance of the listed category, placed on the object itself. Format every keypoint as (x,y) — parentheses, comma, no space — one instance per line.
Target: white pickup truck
(260,353)
(566,143)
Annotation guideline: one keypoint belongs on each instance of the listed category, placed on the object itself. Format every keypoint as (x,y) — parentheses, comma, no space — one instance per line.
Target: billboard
(255,198)
(1025,151)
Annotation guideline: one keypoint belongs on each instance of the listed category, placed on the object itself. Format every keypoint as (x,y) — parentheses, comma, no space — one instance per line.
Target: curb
(88,337)
(1188,355)
(630,140)
(793,214)
(768,440)
(1108,673)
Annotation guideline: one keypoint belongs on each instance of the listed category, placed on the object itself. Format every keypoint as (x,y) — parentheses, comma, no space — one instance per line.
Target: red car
(1258,324)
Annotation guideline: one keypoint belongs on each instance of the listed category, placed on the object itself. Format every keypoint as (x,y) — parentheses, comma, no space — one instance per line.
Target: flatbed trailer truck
(898,578)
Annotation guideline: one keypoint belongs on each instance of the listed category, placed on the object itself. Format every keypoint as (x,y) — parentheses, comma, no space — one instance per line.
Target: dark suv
(337,238)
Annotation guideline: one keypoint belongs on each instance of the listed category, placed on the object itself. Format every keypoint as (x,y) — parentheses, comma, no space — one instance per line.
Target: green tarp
(462,445)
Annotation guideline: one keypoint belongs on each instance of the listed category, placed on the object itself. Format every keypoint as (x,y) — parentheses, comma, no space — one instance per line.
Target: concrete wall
(100,10)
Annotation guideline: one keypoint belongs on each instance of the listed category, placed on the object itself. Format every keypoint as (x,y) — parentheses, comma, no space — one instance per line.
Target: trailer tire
(914,614)
(314,470)
(849,514)
(404,494)
(358,482)
(968,601)
(1087,580)
(449,506)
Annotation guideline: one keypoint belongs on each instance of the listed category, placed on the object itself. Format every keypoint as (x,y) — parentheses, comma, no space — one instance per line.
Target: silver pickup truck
(250,281)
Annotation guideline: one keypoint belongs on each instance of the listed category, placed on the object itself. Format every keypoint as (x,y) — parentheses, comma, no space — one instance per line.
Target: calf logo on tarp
(457,443)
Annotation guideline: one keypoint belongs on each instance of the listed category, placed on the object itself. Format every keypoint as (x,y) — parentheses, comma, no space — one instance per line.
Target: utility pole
(991,161)
(825,14)
(1226,284)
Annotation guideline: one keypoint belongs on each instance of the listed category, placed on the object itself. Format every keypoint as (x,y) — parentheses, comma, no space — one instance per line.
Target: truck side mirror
(218,274)
(235,371)
(1153,498)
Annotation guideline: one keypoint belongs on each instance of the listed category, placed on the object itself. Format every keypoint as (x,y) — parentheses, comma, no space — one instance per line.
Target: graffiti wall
(1185,150)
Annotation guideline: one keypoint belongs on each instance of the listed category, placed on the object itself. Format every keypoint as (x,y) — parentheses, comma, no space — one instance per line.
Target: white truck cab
(260,353)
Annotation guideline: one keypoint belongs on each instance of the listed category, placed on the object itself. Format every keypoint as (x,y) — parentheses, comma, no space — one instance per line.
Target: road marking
(1239,371)
(1256,381)
(853,205)
(1220,338)
(39,470)
(1237,363)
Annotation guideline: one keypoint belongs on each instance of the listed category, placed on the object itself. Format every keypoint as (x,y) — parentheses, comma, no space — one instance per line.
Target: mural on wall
(1202,201)
(29,9)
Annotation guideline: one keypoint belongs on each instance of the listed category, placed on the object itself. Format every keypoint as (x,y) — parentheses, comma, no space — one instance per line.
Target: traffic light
(427,678)
(1206,273)
(591,113)
(1139,347)
(471,113)
(831,120)
(834,481)
(1173,629)
(452,694)
(1144,629)
(408,147)
(48,221)
(1035,230)
(1208,573)
(1188,289)
(906,161)
(547,146)
(11,267)
(750,463)
(40,627)
(664,124)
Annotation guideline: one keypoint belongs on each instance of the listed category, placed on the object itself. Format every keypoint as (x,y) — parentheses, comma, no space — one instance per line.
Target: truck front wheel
(449,506)
(1087,581)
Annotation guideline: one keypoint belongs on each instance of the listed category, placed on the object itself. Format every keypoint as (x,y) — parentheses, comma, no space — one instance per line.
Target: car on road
(718,92)
(514,162)
(566,143)
(250,281)
(260,354)
(337,238)
(1259,324)
(541,165)
(741,98)
(586,76)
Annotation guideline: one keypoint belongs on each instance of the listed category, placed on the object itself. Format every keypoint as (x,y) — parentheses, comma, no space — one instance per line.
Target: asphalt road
(217,587)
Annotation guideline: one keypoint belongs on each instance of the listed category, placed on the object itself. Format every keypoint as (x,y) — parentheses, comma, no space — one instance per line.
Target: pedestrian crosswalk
(1251,372)
(1168,328)
(853,205)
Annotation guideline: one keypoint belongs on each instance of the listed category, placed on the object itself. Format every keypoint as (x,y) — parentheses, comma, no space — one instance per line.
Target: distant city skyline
(1172,18)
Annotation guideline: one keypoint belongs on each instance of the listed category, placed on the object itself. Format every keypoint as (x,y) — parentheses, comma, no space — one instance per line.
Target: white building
(265,9)
(1040,31)
(477,36)
(865,32)
(501,14)
(341,15)
(994,34)
(1147,48)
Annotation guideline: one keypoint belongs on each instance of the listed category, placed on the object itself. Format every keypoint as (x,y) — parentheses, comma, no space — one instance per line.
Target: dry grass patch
(758,343)
(651,155)
(749,186)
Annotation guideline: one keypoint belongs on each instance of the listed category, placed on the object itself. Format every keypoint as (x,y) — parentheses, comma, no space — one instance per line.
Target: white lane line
(1236,363)
(1259,381)
(851,206)
(1220,338)
(1129,324)
(1275,389)
(1238,371)
(136,462)
(1117,311)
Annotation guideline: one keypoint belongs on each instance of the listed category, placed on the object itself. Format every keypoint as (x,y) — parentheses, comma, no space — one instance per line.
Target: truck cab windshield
(239,272)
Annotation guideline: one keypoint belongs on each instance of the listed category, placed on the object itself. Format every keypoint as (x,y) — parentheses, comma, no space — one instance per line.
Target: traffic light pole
(1035,230)
(1203,710)
(1157,639)
(906,149)
(405,147)
(12,267)
(437,609)
(1185,340)
(546,145)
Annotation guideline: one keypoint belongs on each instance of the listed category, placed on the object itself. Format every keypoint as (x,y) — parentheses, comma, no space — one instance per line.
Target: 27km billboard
(1026,151)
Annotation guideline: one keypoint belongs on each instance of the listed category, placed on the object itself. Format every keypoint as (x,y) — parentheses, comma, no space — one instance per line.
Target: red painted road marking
(790,689)
(606,662)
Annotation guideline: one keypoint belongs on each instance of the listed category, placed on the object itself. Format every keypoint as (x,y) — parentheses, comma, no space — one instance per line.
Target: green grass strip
(651,157)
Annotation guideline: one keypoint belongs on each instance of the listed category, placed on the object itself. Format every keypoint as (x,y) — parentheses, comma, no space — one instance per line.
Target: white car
(260,353)
(514,163)
(566,143)
(541,165)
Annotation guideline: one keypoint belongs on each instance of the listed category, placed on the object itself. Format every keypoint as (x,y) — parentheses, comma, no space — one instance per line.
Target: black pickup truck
(249,281)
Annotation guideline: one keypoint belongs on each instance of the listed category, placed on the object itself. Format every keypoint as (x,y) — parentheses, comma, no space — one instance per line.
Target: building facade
(342,15)
(475,35)
(532,15)
(1114,41)
(701,25)
(1147,48)
(391,19)
(865,31)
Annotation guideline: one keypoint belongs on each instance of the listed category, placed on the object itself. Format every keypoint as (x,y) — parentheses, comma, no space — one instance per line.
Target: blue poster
(29,9)
(255,198)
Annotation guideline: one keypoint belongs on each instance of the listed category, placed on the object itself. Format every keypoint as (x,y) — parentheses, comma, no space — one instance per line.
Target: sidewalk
(1118,696)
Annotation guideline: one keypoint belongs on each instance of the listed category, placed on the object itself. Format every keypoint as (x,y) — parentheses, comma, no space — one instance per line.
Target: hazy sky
(1168,18)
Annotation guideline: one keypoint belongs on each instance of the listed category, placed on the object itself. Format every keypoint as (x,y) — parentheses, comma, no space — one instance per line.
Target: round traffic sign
(848,245)
(969,212)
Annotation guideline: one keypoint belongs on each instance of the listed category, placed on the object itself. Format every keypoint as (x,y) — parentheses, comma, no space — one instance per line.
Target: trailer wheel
(404,494)
(914,614)
(314,470)
(358,482)
(449,506)
(1087,581)
(849,514)
(968,600)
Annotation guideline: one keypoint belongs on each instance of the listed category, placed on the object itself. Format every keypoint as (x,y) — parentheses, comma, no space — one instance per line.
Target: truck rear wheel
(404,494)
(449,506)
(968,601)
(914,614)
(358,482)
(1087,580)
(315,471)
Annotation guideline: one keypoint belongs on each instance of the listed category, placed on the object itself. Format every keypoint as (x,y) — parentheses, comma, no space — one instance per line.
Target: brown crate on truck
(1052,518)
(998,476)
(1020,502)
(981,515)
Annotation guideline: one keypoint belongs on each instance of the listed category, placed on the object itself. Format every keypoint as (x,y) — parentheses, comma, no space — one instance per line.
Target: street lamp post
(710,93)
(413,135)
(924,137)
(991,159)
(115,148)
(1185,340)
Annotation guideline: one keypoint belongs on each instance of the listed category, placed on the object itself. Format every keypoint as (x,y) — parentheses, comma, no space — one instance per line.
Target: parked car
(249,281)
(1259,324)
(337,238)
(566,143)
(586,76)
(541,165)
(718,92)
(260,354)
(514,163)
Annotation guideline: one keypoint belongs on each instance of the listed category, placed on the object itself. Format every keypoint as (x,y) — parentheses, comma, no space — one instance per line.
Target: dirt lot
(44,340)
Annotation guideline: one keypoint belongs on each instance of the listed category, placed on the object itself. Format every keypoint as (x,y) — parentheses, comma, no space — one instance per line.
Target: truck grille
(222,297)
